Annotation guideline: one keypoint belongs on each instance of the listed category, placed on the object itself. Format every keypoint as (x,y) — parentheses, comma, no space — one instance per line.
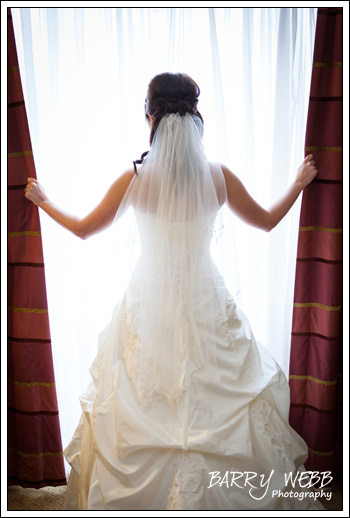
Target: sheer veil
(176,199)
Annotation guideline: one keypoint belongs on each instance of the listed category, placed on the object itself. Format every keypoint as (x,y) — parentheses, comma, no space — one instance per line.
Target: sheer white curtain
(85,72)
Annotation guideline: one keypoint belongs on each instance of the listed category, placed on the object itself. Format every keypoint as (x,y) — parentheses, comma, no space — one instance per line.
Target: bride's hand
(306,171)
(35,192)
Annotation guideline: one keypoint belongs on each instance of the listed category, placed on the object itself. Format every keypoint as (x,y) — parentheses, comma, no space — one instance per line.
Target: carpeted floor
(28,499)
(52,499)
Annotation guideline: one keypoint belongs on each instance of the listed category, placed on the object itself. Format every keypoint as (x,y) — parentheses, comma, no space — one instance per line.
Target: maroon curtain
(316,348)
(35,457)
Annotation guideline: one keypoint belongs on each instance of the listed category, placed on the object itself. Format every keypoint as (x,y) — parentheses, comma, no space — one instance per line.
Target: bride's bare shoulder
(228,174)
(219,181)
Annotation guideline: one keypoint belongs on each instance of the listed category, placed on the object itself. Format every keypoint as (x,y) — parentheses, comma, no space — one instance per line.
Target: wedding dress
(185,410)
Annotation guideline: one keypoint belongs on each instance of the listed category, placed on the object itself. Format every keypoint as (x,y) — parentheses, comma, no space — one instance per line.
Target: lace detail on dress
(192,467)
(190,471)
(263,413)
(145,386)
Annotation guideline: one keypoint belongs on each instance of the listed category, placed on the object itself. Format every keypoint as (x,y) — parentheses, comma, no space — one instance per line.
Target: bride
(185,409)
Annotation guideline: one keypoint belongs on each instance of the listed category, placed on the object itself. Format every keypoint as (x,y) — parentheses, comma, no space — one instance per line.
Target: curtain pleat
(316,356)
(35,457)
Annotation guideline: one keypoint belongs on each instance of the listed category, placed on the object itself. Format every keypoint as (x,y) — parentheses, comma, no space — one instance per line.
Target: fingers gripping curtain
(316,360)
(35,457)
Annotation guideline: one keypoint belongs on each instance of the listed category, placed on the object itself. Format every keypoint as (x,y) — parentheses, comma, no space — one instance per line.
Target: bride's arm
(99,219)
(242,204)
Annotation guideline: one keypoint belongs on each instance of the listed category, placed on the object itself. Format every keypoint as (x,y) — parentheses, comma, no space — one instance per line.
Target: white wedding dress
(181,394)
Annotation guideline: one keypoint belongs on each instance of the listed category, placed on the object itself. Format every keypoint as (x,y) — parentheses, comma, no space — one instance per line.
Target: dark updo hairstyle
(169,93)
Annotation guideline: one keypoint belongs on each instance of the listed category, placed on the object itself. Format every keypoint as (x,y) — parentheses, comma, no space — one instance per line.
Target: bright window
(85,73)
